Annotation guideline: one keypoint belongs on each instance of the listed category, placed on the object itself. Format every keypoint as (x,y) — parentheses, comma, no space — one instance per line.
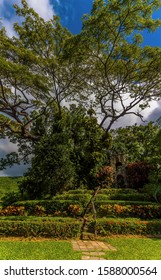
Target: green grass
(8,184)
(134,248)
(127,249)
(36,250)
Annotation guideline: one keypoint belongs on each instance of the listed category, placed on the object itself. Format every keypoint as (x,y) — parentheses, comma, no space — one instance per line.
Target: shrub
(74,210)
(138,211)
(13,211)
(154,191)
(10,198)
(132,197)
(105,176)
(137,174)
(106,227)
(49,207)
(55,229)
(81,199)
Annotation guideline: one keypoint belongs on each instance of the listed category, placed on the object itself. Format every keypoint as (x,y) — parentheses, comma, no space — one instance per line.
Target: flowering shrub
(106,227)
(105,176)
(12,211)
(137,174)
(74,210)
(116,210)
(53,229)
(37,210)
(137,211)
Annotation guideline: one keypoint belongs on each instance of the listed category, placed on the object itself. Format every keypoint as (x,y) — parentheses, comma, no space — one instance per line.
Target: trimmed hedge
(50,207)
(70,228)
(132,197)
(68,208)
(106,227)
(52,229)
(81,199)
(138,211)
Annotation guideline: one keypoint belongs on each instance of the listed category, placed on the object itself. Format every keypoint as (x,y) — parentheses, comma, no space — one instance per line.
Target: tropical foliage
(60,93)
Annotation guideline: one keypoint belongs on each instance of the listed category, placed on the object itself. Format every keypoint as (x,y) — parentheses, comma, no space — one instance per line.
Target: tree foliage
(137,142)
(69,156)
(121,74)
(104,69)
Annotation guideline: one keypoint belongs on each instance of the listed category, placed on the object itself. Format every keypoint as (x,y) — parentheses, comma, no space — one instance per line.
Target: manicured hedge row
(82,199)
(123,202)
(106,227)
(71,229)
(49,207)
(138,211)
(132,197)
(106,194)
(67,208)
(61,230)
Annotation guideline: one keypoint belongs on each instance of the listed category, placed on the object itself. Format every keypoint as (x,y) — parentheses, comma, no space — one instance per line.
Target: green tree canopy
(105,68)
(121,74)
(137,142)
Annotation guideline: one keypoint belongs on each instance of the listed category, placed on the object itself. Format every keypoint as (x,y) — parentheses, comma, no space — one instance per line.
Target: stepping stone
(92,250)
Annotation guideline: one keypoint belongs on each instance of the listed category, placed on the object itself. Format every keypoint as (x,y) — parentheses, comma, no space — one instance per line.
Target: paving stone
(91,250)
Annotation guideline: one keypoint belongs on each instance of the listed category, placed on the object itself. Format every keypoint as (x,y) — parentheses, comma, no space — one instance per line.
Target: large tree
(70,155)
(121,74)
(105,66)
(33,74)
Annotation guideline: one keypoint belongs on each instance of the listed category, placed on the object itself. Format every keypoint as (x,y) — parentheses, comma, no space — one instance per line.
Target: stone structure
(118,163)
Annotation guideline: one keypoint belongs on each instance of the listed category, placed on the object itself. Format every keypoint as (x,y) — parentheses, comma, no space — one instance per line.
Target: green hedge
(132,197)
(138,211)
(70,228)
(81,199)
(49,206)
(143,210)
(106,227)
(123,202)
(52,229)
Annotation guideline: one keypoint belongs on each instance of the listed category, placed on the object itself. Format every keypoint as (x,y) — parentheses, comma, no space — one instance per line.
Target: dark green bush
(81,199)
(80,191)
(123,202)
(132,197)
(102,197)
(9,198)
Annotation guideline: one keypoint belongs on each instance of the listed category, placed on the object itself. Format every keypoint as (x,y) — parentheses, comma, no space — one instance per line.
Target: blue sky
(70,12)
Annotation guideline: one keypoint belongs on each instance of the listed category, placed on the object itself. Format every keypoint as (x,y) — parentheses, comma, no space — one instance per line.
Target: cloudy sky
(70,12)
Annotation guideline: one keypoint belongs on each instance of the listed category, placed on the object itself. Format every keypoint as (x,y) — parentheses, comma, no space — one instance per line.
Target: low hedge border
(138,211)
(106,227)
(68,208)
(52,229)
(71,229)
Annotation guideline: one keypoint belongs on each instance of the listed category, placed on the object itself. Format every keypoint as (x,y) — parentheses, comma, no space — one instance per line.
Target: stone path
(92,250)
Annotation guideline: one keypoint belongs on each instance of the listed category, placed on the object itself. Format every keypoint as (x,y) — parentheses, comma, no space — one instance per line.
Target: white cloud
(7,147)
(43,8)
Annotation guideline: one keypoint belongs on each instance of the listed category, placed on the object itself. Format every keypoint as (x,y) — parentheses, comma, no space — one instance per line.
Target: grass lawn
(128,248)
(131,248)
(37,250)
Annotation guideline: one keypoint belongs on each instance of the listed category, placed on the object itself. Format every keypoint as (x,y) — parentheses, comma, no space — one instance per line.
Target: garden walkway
(92,250)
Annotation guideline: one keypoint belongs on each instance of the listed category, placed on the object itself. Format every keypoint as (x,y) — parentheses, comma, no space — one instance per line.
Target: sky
(70,12)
